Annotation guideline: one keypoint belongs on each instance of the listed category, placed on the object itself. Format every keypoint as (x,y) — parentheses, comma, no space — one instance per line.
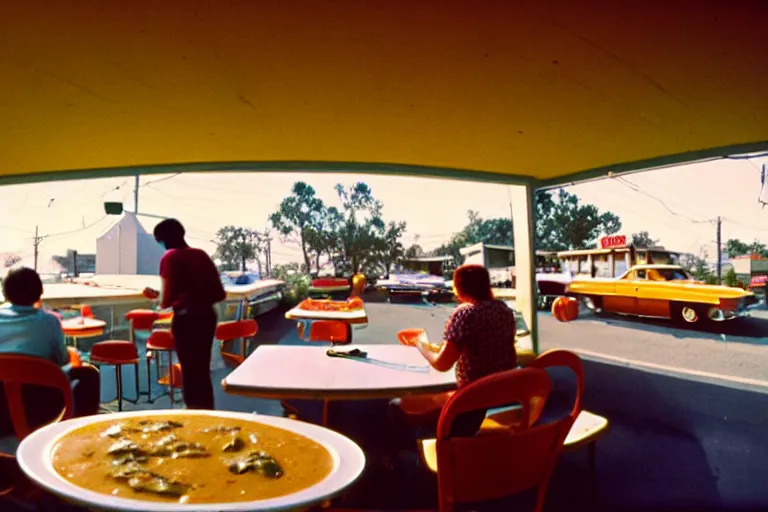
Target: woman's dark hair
(170,232)
(22,287)
(473,282)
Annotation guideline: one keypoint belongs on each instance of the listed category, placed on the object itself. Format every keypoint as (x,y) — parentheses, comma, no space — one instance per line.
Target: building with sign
(614,256)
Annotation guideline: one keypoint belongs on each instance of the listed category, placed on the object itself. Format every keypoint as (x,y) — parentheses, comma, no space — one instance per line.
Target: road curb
(742,383)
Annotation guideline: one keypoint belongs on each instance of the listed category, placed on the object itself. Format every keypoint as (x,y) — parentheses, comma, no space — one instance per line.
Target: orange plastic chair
(161,342)
(588,427)
(238,329)
(334,332)
(85,311)
(502,462)
(15,372)
(117,353)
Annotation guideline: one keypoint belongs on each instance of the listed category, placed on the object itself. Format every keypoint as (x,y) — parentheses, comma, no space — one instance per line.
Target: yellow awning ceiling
(541,89)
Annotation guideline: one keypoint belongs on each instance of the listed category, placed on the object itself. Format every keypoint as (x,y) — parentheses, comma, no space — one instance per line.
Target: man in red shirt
(191,286)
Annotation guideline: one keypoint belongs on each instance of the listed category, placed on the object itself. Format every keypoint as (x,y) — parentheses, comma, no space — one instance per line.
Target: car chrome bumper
(729,314)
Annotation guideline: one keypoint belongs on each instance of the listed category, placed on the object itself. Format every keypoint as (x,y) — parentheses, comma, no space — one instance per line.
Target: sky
(676,205)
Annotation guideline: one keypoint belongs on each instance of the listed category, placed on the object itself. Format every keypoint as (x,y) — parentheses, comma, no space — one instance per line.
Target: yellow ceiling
(541,89)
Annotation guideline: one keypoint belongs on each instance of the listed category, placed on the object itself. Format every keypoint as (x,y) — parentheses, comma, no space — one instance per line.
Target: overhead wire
(636,188)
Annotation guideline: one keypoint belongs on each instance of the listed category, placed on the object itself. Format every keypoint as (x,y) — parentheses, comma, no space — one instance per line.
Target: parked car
(662,291)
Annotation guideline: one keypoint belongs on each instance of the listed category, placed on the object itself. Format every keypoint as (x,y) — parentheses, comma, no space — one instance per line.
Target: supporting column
(524,229)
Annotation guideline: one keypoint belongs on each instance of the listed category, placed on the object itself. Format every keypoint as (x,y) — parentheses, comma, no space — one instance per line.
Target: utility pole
(36,242)
(719,251)
(136,195)
(268,256)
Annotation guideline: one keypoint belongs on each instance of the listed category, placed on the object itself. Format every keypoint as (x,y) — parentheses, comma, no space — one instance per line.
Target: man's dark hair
(473,282)
(169,231)
(22,287)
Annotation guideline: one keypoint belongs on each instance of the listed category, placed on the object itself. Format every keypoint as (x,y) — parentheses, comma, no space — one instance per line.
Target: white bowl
(34,457)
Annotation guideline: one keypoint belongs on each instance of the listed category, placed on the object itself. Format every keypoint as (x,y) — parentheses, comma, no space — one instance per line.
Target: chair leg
(138,393)
(149,380)
(325,412)
(119,378)
(171,389)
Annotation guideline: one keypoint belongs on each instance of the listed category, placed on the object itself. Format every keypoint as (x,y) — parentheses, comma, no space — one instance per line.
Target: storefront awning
(544,92)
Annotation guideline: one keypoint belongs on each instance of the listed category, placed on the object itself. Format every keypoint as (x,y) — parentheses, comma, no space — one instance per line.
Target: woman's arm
(441,360)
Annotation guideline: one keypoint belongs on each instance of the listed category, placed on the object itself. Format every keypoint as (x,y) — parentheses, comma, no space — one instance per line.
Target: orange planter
(565,309)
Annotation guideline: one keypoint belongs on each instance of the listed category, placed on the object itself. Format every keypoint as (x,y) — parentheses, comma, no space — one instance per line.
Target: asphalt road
(734,351)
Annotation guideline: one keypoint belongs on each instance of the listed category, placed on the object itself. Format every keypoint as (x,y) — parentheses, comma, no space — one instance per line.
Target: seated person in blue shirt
(27,330)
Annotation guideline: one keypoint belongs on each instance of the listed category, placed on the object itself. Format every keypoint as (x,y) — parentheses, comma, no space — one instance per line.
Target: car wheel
(688,314)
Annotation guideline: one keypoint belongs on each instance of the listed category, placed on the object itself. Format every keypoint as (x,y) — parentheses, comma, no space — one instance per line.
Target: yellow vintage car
(661,291)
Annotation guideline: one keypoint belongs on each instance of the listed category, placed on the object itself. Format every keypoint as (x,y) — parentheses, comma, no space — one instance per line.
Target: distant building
(75,263)
(128,247)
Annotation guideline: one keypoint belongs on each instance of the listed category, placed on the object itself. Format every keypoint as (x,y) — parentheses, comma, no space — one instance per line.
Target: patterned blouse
(484,334)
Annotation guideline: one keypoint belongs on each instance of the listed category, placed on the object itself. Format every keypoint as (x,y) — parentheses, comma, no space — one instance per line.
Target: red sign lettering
(609,242)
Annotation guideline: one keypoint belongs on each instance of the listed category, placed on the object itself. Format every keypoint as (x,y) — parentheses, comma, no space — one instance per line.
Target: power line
(637,189)
(64,233)
(160,179)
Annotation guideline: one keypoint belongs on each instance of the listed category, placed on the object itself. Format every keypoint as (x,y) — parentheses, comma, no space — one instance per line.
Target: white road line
(673,369)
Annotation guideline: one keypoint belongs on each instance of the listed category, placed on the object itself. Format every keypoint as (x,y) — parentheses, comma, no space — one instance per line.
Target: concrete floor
(674,443)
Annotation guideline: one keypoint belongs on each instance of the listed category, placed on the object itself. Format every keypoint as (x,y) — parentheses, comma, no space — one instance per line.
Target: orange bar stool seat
(162,342)
(117,353)
(238,329)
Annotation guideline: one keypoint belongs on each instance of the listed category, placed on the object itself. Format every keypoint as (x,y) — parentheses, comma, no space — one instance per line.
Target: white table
(283,372)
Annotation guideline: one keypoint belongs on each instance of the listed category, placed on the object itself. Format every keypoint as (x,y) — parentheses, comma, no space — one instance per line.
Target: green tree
(390,248)
(564,223)
(414,251)
(236,246)
(735,247)
(299,218)
(698,267)
(730,278)
(323,237)
(643,239)
(11,259)
(361,228)
(496,231)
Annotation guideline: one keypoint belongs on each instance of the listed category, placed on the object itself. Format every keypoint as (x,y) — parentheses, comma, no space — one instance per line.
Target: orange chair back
(16,371)
(226,331)
(355,303)
(498,463)
(160,340)
(74,357)
(409,337)
(85,311)
(329,331)
(551,359)
(141,319)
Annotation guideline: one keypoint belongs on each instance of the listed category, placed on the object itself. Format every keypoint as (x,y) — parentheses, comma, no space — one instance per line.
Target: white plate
(34,458)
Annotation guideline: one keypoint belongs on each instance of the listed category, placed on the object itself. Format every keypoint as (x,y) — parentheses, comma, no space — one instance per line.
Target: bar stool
(239,329)
(140,320)
(160,342)
(117,353)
